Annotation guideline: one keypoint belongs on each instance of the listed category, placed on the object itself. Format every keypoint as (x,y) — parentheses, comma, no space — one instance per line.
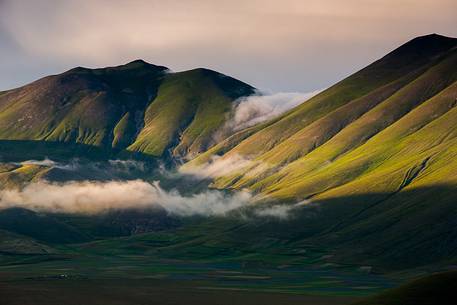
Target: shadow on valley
(406,230)
(146,291)
(351,246)
(82,162)
(20,150)
(433,289)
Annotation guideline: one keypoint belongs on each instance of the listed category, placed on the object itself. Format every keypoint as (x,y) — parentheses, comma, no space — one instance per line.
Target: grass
(220,261)
(390,68)
(144,291)
(321,143)
(138,105)
(185,116)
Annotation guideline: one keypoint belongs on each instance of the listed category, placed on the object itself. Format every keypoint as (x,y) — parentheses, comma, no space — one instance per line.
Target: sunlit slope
(12,175)
(396,65)
(382,168)
(397,144)
(190,106)
(397,132)
(81,105)
(138,106)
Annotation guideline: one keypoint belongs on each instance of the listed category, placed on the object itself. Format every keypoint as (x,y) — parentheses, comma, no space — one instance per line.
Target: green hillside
(137,107)
(375,126)
(377,152)
(190,106)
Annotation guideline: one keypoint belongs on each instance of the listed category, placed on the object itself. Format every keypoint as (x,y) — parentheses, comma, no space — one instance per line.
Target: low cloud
(127,165)
(209,203)
(281,212)
(286,211)
(115,166)
(248,111)
(258,108)
(44,162)
(96,197)
(90,197)
(72,165)
(217,166)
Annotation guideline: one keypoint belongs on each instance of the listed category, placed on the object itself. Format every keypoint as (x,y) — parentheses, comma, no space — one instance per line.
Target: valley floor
(149,291)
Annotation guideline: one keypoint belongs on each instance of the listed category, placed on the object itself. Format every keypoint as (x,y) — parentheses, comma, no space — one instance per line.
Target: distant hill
(136,107)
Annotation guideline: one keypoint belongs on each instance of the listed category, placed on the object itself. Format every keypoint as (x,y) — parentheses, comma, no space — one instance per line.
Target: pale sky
(284,45)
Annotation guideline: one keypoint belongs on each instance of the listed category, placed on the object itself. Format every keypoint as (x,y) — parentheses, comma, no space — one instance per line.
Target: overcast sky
(283,45)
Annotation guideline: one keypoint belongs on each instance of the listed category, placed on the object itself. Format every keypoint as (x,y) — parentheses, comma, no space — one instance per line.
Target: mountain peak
(139,64)
(432,39)
(420,50)
(428,44)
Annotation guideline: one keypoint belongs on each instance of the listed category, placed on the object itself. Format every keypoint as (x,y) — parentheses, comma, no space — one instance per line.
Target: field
(129,292)
(181,264)
(123,272)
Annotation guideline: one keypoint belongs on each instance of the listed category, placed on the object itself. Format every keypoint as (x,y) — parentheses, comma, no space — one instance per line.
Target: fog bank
(258,108)
(89,197)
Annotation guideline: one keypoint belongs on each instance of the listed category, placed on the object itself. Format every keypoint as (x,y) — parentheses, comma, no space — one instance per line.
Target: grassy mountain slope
(139,107)
(80,105)
(381,166)
(374,139)
(11,243)
(391,68)
(355,130)
(12,176)
(38,226)
(190,106)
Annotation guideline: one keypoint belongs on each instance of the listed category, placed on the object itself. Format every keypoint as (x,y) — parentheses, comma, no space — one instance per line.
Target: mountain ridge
(341,125)
(109,107)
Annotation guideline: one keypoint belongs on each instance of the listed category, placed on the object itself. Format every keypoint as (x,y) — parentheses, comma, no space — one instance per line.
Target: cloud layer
(262,107)
(89,197)
(216,167)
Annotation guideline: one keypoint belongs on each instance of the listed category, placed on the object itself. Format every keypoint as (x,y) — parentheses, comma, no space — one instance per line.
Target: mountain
(356,127)
(377,152)
(387,128)
(137,107)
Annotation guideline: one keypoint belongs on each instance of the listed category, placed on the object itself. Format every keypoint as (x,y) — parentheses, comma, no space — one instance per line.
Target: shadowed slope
(436,289)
